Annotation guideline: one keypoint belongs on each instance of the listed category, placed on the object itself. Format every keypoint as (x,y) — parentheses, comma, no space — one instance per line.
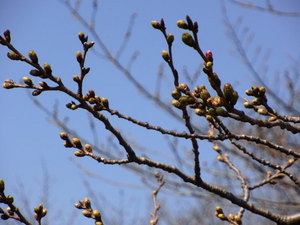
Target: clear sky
(29,143)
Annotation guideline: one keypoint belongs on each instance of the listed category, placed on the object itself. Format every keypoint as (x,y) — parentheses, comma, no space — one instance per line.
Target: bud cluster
(88,211)
(39,212)
(231,218)
(99,103)
(200,100)
(230,94)
(188,25)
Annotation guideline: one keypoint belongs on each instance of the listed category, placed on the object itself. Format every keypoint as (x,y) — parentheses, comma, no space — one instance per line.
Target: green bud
(13,56)
(182,24)
(170,38)
(79,153)
(188,39)
(204,95)
(183,87)
(155,24)
(211,111)
(27,81)
(165,55)
(33,56)
(184,100)
(228,90)
(234,98)
(2,186)
(221,112)
(176,94)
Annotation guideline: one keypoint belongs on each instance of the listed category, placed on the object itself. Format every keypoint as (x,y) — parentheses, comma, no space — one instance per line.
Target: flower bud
(27,81)
(9,199)
(209,55)
(183,87)
(219,209)
(77,142)
(165,55)
(44,212)
(79,57)
(33,56)
(88,148)
(36,92)
(184,100)
(13,56)
(88,45)
(222,216)
(170,38)
(248,105)
(79,153)
(237,219)
(200,112)
(204,95)
(176,94)
(262,90)
(47,69)
(188,39)
(262,111)
(209,64)
(155,24)
(64,136)
(176,103)
(228,90)
(43,84)
(7,85)
(76,78)
(87,202)
(35,73)
(272,119)
(91,93)
(87,213)
(82,37)
(182,24)
(98,223)
(96,214)
(256,101)
(234,98)
(221,112)
(10,211)
(91,100)
(105,102)
(209,118)
(73,106)
(249,92)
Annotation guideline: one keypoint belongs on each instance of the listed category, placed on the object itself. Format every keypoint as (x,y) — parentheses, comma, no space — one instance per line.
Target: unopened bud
(47,69)
(33,56)
(13,56)
(176,103)
(7,35)
(262,111)
(165,55)
(27,81)
(64,136)
(182,24)
(79,153)
(88,148)
(77,142)
(188,39)
(82,37)
(79,57)
(87,213)
(105,102)
(176,94)
(96,214)
(170,38)
(36,92)
(155,24)
(2,186)
(35,73)
(76,78)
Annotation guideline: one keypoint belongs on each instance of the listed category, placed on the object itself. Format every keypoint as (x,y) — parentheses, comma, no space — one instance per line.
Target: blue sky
(28,142)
